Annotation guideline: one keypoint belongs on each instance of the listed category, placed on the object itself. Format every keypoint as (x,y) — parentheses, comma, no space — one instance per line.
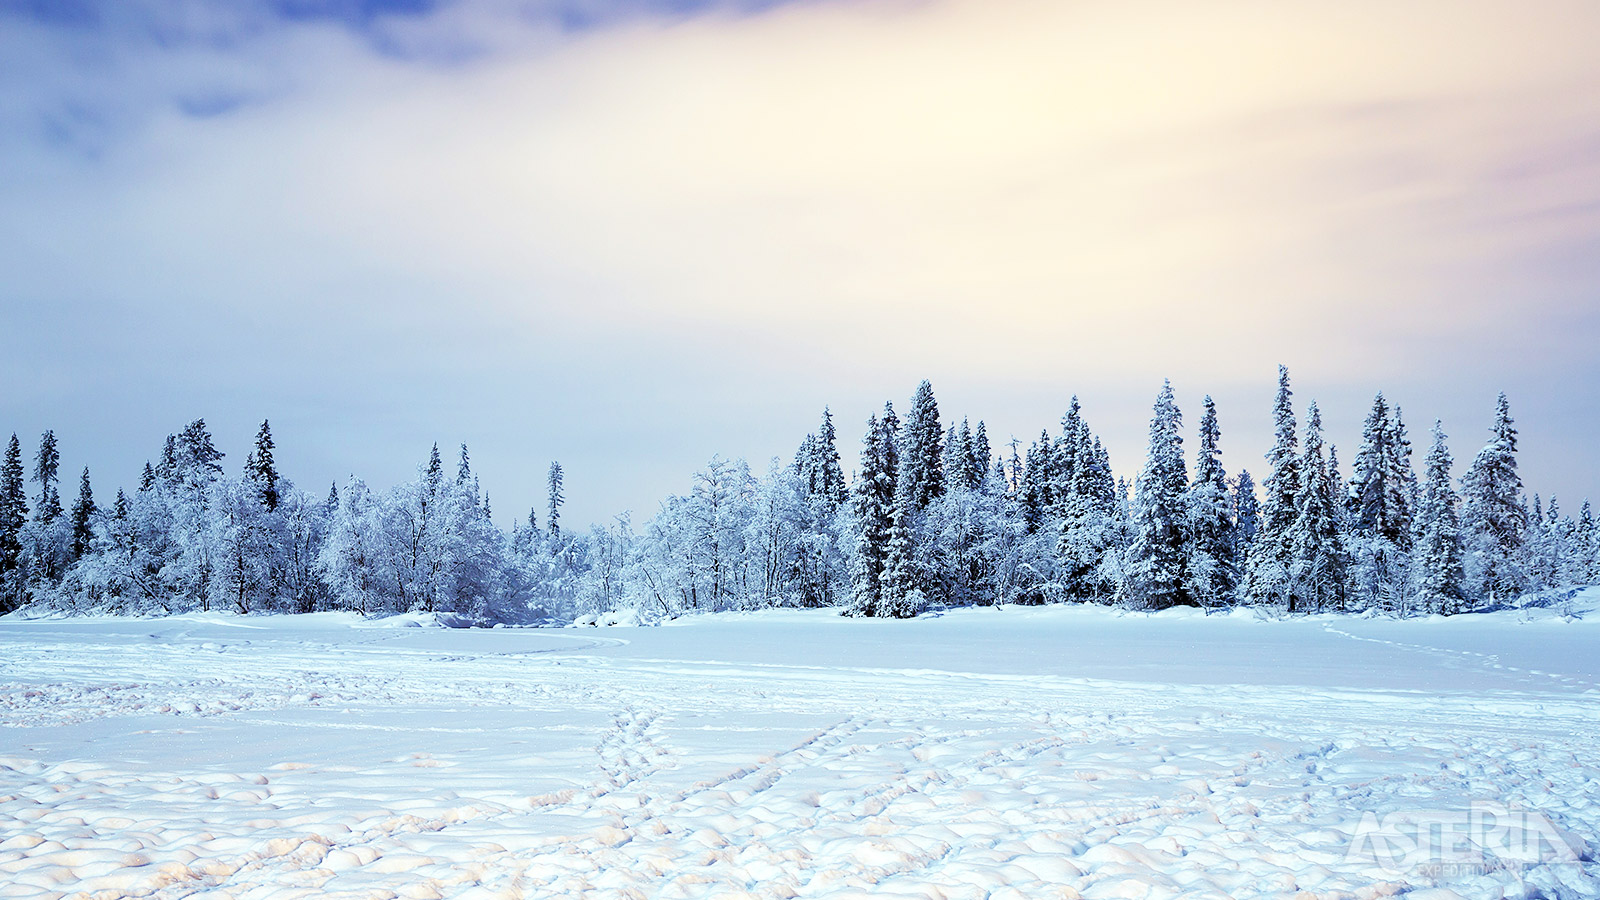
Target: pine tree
(464,466)
(83,518)
(1157,571)
(1438,551)
(261,470)
(556,498)
(147,480)
(1212,570)
(921,449)
(1493,519)
(1318,565)
(1267,567)
(331,505)
(1035,494)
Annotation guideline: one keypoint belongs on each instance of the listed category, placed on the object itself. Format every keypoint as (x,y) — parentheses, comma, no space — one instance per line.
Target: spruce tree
(1157,570)
(1438,551)
(874,510)
(1246,514)
(1493,519)
(13,517)
(981,453)
(262,470)
(556,498)
(1318,566)
(921,449)
(1212,570)
(1267,567)
(464,466)
(830,474)
(83,518)
(46,465)
(900,594)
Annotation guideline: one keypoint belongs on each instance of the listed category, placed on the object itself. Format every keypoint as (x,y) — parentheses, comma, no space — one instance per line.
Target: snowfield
(1014,752)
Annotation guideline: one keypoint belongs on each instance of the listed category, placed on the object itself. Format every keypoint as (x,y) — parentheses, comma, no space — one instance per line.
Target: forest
(933,516)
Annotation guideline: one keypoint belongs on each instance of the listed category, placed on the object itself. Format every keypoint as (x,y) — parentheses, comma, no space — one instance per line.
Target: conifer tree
(1438,551)
(13,516)
(1267,567)
(83,518)
(874,510)
(1246,514)
(262,470)
(556,498)
(1318,566)
(46,465)
(1212,571)
(1157,575)
(464,466)
(901,595)
(921,450)
(1493,519)
(981,453)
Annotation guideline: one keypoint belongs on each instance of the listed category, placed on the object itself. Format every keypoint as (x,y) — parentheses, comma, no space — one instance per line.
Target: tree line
(932,515)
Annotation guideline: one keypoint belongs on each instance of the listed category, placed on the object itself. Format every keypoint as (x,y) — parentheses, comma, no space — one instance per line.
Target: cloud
(594,210)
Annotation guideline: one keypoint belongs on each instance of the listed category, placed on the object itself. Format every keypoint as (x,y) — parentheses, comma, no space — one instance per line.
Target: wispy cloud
(625,202)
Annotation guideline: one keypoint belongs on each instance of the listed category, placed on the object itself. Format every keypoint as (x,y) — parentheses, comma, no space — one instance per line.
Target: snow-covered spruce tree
(979,454)
(1267,577)
(1493,518)
(1156,576)
(261,470)
(553,512)
(83,510)
(47,540)
(900,592)
(1318,568)
(874,511)
(1437,563)
(820,562)
(921,449)
(1087,530)
(13,516)
(1212,572)
(1586,548)
(1246,508)
(1036,494)
(1380,512)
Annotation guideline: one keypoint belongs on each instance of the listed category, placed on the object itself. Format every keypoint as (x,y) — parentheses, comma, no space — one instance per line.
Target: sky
(631,235)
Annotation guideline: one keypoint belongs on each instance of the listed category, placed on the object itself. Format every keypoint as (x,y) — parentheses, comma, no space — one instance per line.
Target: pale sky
(630,235)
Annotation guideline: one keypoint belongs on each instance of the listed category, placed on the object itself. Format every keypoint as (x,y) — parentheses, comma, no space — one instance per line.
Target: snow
(1011,752)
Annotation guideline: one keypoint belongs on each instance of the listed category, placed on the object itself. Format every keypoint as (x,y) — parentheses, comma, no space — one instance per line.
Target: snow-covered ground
(1012,752)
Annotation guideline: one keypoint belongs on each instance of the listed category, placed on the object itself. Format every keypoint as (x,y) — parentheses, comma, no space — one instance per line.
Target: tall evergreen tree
(981,453)
(1212,571)
(1267,567)
(921,450)
(46,465)
(1493,519)
(1157,571)
(874,510)
(900,594)
(553,511)
(83,518)
(262,470)
(13,516)
(1246,514)
(1438,551)
(464,466)
(1318,566)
